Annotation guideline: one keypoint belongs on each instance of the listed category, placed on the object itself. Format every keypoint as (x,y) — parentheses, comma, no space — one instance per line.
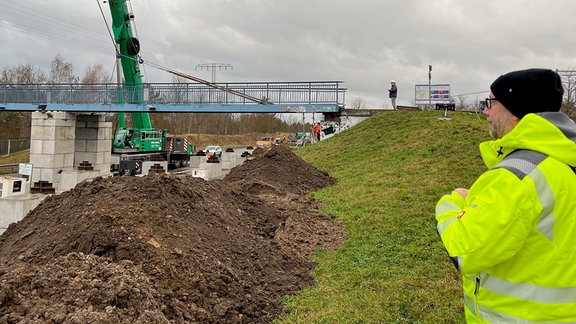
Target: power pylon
(213,67)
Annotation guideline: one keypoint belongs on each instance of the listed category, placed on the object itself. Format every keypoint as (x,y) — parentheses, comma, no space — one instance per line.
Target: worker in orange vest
(317,129)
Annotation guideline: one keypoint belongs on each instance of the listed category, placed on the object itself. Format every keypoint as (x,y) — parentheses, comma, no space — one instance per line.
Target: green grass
(18,157)
(391,171)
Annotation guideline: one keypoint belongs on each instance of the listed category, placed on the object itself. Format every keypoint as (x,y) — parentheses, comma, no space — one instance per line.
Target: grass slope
(391,171)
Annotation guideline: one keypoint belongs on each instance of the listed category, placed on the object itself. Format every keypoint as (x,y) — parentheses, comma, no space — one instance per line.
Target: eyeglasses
(488,102)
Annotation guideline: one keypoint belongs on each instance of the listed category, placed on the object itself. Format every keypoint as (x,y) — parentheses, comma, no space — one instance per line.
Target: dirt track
(169,249)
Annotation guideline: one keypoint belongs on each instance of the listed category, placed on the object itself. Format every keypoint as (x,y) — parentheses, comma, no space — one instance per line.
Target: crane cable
(111,38)
(108,27)
(133,22)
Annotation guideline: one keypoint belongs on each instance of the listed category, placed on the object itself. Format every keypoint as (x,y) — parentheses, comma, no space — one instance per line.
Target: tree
(358,103)
(17,124)
(95,74)
(62,71)
(569,84)
(22,74)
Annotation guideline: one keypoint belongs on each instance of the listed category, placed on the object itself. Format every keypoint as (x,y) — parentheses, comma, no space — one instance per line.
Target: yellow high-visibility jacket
(513,238)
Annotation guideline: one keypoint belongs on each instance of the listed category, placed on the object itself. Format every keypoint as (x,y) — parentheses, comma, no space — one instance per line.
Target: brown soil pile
(169,249)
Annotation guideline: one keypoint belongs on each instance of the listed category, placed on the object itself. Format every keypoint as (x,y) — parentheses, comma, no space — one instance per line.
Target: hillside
(391,171)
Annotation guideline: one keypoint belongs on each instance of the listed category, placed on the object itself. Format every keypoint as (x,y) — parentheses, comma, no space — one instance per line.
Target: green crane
(141,142)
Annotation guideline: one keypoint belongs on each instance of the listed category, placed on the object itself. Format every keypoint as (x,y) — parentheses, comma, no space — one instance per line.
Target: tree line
(17,124)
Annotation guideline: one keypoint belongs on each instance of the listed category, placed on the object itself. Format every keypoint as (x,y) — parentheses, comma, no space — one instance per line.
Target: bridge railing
(316,92)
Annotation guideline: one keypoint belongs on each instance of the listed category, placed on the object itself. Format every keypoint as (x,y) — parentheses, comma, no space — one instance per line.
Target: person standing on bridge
(393,93)
(512,234)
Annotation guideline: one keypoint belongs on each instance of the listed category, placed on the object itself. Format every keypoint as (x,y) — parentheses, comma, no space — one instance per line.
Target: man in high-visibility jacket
(512,235)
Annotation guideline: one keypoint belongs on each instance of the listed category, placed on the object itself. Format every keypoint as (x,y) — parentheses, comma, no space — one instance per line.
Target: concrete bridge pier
(67,148)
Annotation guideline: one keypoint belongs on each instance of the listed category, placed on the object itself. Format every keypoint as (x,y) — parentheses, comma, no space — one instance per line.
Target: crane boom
(128,48)
(132,146)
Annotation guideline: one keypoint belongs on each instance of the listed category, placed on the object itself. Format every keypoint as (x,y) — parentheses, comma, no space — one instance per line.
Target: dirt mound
(282,170)
(168,249)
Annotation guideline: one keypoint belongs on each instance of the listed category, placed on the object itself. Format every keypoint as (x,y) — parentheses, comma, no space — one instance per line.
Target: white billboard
(439,93)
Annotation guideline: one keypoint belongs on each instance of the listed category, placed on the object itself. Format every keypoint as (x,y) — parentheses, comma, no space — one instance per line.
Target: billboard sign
(439,93)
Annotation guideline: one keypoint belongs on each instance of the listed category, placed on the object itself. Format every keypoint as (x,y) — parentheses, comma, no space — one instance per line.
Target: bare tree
(95,74)
(17,124)
(358,103)
(569,84)
(22,74)
(62,71)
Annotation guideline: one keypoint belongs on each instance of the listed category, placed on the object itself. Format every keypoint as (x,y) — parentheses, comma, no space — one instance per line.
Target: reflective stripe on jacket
(514,236)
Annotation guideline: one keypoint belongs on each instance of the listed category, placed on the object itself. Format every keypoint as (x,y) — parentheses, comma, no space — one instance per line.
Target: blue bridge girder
(273,97)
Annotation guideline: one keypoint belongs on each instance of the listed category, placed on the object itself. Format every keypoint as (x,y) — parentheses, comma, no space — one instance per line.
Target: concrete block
(213,170)
(69,161)
(43,133)
(58,146)
(226,156)
(105,132)
(67,181)
(45,174)
(81,145)
(195,161)
(58,161)
(41,160)
(36,145)
(10,186)
(104,158)
(15,208)
(198,173)
(48,146)
(98,146)
(87,133)
(227,165)
(85,156)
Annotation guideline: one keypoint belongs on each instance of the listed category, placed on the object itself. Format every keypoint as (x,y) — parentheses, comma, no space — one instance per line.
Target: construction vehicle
(265,142)
(133,145)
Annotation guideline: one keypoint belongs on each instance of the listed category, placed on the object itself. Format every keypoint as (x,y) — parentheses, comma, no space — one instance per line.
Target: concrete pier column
(94,142)
(52,144)
(63,144)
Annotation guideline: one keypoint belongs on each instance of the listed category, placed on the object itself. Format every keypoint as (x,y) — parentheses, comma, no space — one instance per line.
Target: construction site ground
(169,248)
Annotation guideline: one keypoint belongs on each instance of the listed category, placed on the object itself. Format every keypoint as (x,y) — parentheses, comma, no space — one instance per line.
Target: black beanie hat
(529,91)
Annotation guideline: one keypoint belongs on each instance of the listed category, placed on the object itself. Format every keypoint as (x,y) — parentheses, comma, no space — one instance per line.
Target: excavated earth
(169,249)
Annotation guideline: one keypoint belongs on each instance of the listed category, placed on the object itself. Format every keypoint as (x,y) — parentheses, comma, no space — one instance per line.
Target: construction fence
(14,145)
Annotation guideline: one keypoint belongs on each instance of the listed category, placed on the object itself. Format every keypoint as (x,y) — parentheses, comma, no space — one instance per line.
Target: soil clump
(169,249)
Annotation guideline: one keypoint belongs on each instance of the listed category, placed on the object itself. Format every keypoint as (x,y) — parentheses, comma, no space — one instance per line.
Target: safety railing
(316,92)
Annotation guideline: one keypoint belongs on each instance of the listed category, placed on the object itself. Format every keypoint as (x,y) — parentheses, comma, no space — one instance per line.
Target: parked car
(306,138)
(213,150)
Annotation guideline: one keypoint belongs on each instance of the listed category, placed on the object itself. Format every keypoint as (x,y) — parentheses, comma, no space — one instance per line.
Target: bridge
(247,97)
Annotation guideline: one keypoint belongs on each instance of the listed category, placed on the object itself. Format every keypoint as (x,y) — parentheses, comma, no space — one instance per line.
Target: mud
(169,249)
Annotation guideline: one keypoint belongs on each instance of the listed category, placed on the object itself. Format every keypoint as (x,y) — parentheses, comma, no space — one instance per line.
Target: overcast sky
(365,43)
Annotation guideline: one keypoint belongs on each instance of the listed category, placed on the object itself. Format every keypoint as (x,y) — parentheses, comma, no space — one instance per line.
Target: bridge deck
(271,97)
